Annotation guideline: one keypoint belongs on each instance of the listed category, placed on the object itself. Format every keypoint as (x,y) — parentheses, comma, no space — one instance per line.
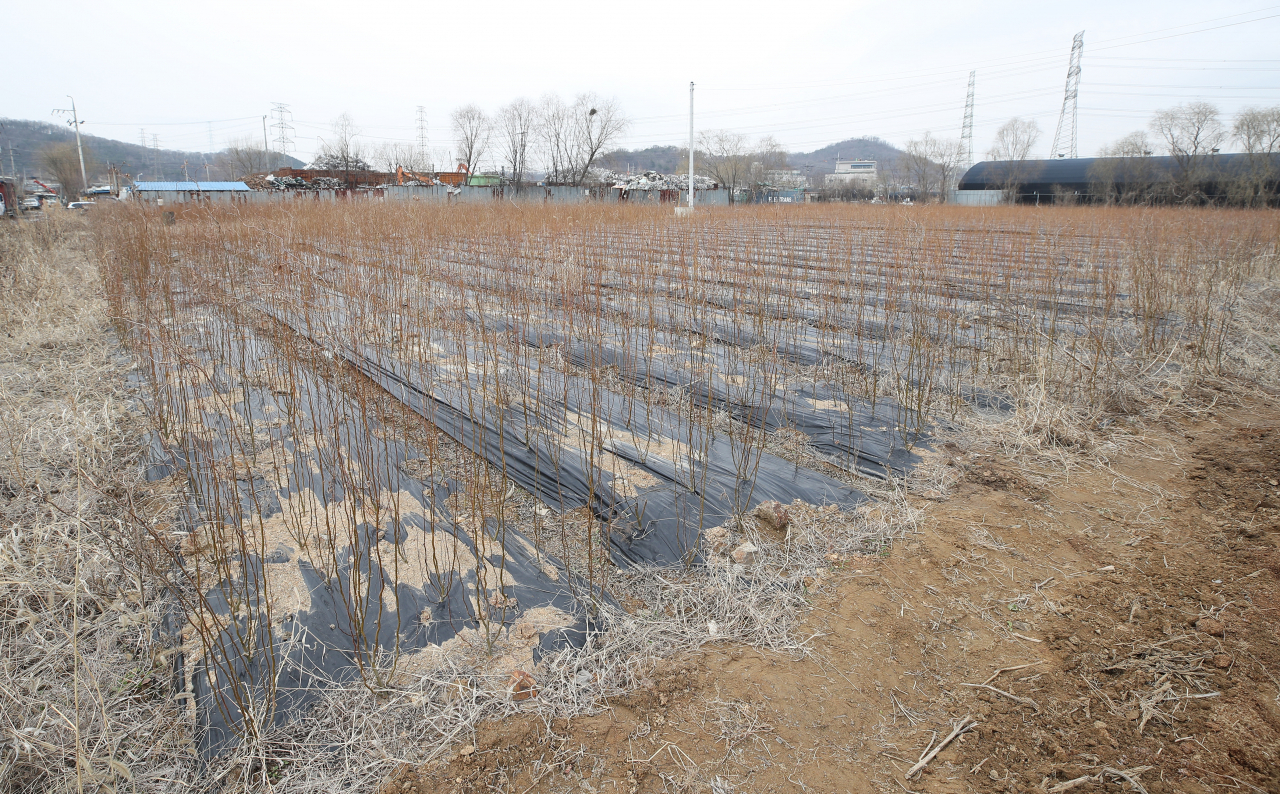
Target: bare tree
(472,131)
(1015,139)
(918,166)
(947,155)
(63,161)
(1012,149)
(393,155)
(1123,172)
(597,123)
(343,150)
(767,155)
(571,137)
(1135,144)
(1190,130)
(725,157)
(931,165)
(770,154)
(888,178)
(1192,134)
(555,138)
(515,123)
(1258,131)
(244,156)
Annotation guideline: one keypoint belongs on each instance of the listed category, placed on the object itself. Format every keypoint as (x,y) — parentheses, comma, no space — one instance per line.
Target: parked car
(31,203)
(81,205)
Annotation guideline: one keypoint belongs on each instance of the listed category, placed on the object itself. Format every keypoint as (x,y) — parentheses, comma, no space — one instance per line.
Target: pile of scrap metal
(652,180)
(273,182)
(326,179)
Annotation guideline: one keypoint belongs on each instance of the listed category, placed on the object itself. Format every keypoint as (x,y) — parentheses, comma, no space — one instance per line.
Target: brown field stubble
(1106,330)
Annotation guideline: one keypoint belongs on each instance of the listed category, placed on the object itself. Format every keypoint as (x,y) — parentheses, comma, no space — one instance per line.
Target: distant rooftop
(207,187)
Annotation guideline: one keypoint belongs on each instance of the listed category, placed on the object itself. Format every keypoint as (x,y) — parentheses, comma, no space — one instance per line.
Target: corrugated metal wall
(531,194)
(168,197)
(976,198)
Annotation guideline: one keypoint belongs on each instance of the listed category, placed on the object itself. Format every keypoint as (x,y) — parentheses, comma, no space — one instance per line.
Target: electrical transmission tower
(966,129)
(1065,146)
(283,129)
(155,157)
(421,156)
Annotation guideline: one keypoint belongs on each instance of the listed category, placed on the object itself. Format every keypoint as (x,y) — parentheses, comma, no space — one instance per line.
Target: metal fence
(529,194)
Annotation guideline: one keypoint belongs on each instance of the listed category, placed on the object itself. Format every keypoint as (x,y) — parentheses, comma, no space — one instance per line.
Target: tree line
(558,139)
(1192,136)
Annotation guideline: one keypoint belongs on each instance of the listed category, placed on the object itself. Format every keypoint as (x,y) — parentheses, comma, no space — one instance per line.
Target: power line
(1032,57)
(172,123)
(1185,60)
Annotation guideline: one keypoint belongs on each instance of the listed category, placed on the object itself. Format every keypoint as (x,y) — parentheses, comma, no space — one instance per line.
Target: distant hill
(666,159)
(824,160)
(663,159)
(28,138)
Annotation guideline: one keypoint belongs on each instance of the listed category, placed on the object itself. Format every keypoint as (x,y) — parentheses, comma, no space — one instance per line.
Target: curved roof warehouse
(1095,177)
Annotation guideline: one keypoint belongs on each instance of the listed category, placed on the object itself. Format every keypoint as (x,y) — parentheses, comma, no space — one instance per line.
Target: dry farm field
(388,497)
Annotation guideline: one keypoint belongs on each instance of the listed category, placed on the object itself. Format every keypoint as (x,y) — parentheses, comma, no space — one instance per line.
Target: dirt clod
(1214,628)
(521,686)
(773,516)
(745,554)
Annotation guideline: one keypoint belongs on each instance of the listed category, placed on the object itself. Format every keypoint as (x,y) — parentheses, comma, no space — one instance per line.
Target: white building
(787,179)
(853,173)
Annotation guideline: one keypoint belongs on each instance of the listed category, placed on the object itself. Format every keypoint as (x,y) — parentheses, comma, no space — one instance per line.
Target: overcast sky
(808,73)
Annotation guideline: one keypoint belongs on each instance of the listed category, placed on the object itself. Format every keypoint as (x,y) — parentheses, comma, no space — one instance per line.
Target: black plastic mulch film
(653,476)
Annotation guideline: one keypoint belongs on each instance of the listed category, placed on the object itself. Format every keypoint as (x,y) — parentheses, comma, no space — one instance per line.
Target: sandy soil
(1108,629)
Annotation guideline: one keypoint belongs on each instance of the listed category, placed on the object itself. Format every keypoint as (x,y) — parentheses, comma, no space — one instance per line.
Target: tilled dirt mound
(1108,630)
(1170,663)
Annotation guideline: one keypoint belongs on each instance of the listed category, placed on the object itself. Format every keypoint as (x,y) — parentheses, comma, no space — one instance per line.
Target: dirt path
(1123,621)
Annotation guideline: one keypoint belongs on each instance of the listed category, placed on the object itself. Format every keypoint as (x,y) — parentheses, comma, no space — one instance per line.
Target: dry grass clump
(86,700)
